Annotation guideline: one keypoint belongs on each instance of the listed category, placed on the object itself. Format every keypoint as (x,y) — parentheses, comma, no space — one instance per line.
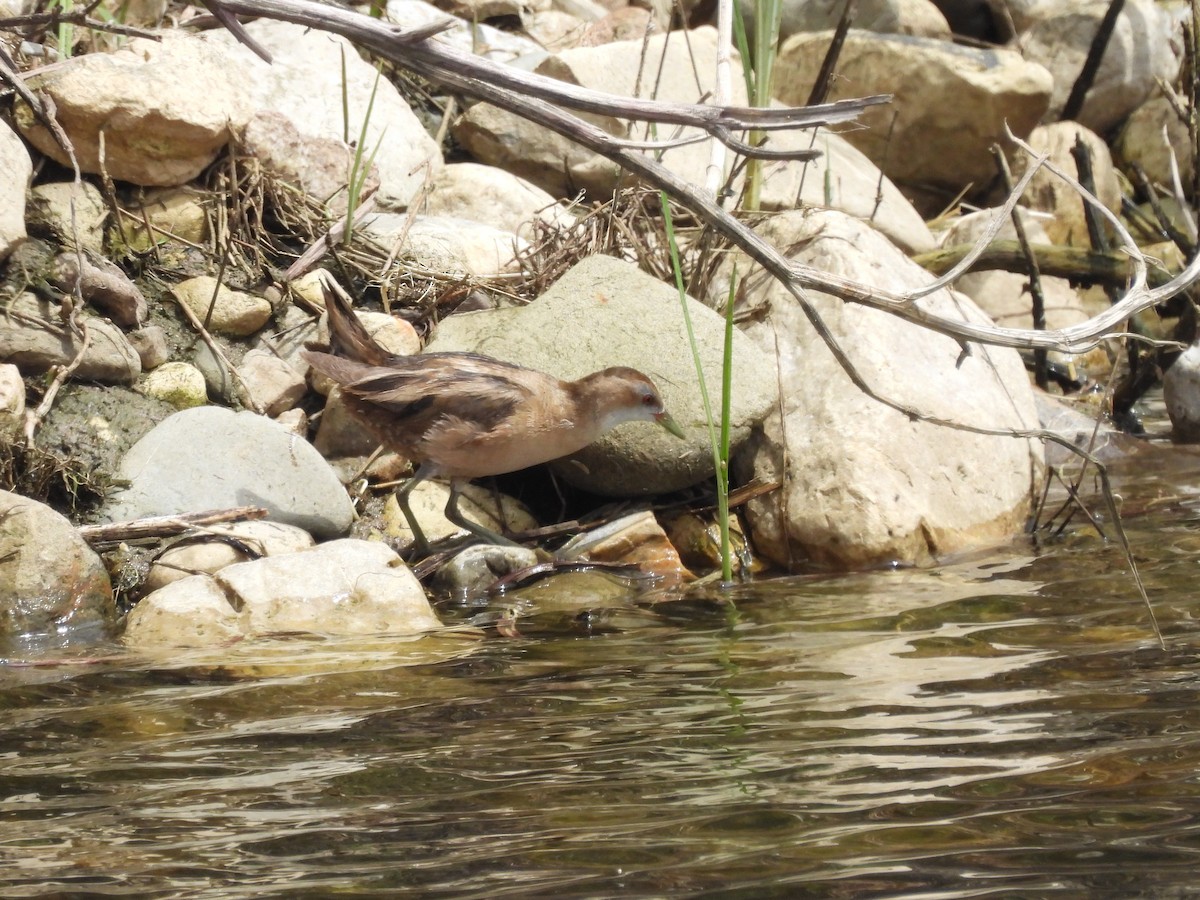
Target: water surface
(1004,726)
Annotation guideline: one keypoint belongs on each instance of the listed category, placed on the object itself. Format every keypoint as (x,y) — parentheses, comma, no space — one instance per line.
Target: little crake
(463,416)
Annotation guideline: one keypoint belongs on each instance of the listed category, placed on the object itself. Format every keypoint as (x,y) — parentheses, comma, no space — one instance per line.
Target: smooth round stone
(178,383)
(213,458)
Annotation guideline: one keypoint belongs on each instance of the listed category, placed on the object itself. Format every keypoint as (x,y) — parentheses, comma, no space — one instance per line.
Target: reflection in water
(1008,726)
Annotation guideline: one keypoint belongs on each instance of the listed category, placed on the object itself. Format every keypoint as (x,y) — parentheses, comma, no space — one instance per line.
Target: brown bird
(463,415)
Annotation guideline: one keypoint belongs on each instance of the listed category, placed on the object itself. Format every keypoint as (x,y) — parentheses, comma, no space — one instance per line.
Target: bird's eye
(649,400)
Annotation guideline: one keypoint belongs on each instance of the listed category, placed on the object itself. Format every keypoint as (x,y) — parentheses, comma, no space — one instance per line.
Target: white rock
(865,484)
(163,109)
(178,383)
(446,246)
(272,383)
(12,401)
(304,83)
(209,554)
(492,196)
(469,37)
(842,178)
(234,313)
(951,103)
(1138,53)
(1066,223)
(917,17)
(342,587)
(684,73)
(16,169)
(190,612)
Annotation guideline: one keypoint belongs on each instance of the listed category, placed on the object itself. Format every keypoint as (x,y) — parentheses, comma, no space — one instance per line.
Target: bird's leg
(456,517)
(419,541)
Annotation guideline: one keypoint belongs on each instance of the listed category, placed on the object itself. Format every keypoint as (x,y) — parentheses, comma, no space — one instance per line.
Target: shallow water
(1007,726)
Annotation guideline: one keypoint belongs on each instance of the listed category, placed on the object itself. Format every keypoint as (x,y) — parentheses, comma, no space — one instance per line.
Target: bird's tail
(347,336)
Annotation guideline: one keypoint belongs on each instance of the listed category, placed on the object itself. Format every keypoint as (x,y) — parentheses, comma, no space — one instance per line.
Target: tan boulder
(951,102)
(1065,222)
(863,483)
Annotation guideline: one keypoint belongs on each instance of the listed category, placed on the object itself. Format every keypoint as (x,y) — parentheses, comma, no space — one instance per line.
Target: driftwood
(166,526)
(1075,263)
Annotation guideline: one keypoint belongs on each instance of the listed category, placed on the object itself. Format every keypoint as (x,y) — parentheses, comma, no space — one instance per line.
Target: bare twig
(166,526)
(1040,369)
(1087,75)
(821,86)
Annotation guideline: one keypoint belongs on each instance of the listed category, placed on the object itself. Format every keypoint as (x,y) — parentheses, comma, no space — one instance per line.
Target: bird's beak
(664,419)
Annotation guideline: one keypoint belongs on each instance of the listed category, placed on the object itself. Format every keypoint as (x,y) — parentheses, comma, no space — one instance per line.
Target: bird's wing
(474,389)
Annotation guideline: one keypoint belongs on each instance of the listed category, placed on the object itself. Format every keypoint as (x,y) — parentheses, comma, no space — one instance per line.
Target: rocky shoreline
(205,172)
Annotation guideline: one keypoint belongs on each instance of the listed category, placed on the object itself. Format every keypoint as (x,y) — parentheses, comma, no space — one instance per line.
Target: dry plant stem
(311,256)
(526,94)
(1087,75)
(243,390)
(715,172)
(1041,371)
(1186,246)
(166,526)
(1083,165)
(75,17)
(820,88)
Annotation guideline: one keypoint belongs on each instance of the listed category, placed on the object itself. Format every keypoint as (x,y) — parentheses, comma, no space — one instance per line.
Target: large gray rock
(163,109)
(1138,54)
(951,102)
(605,312)
(346,587)
(15,171)
(863,483)
(52,584)
(33,336)
(304,83)
(212,458)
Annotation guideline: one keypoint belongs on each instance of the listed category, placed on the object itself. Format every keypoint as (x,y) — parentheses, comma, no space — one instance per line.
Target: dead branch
(166,526)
